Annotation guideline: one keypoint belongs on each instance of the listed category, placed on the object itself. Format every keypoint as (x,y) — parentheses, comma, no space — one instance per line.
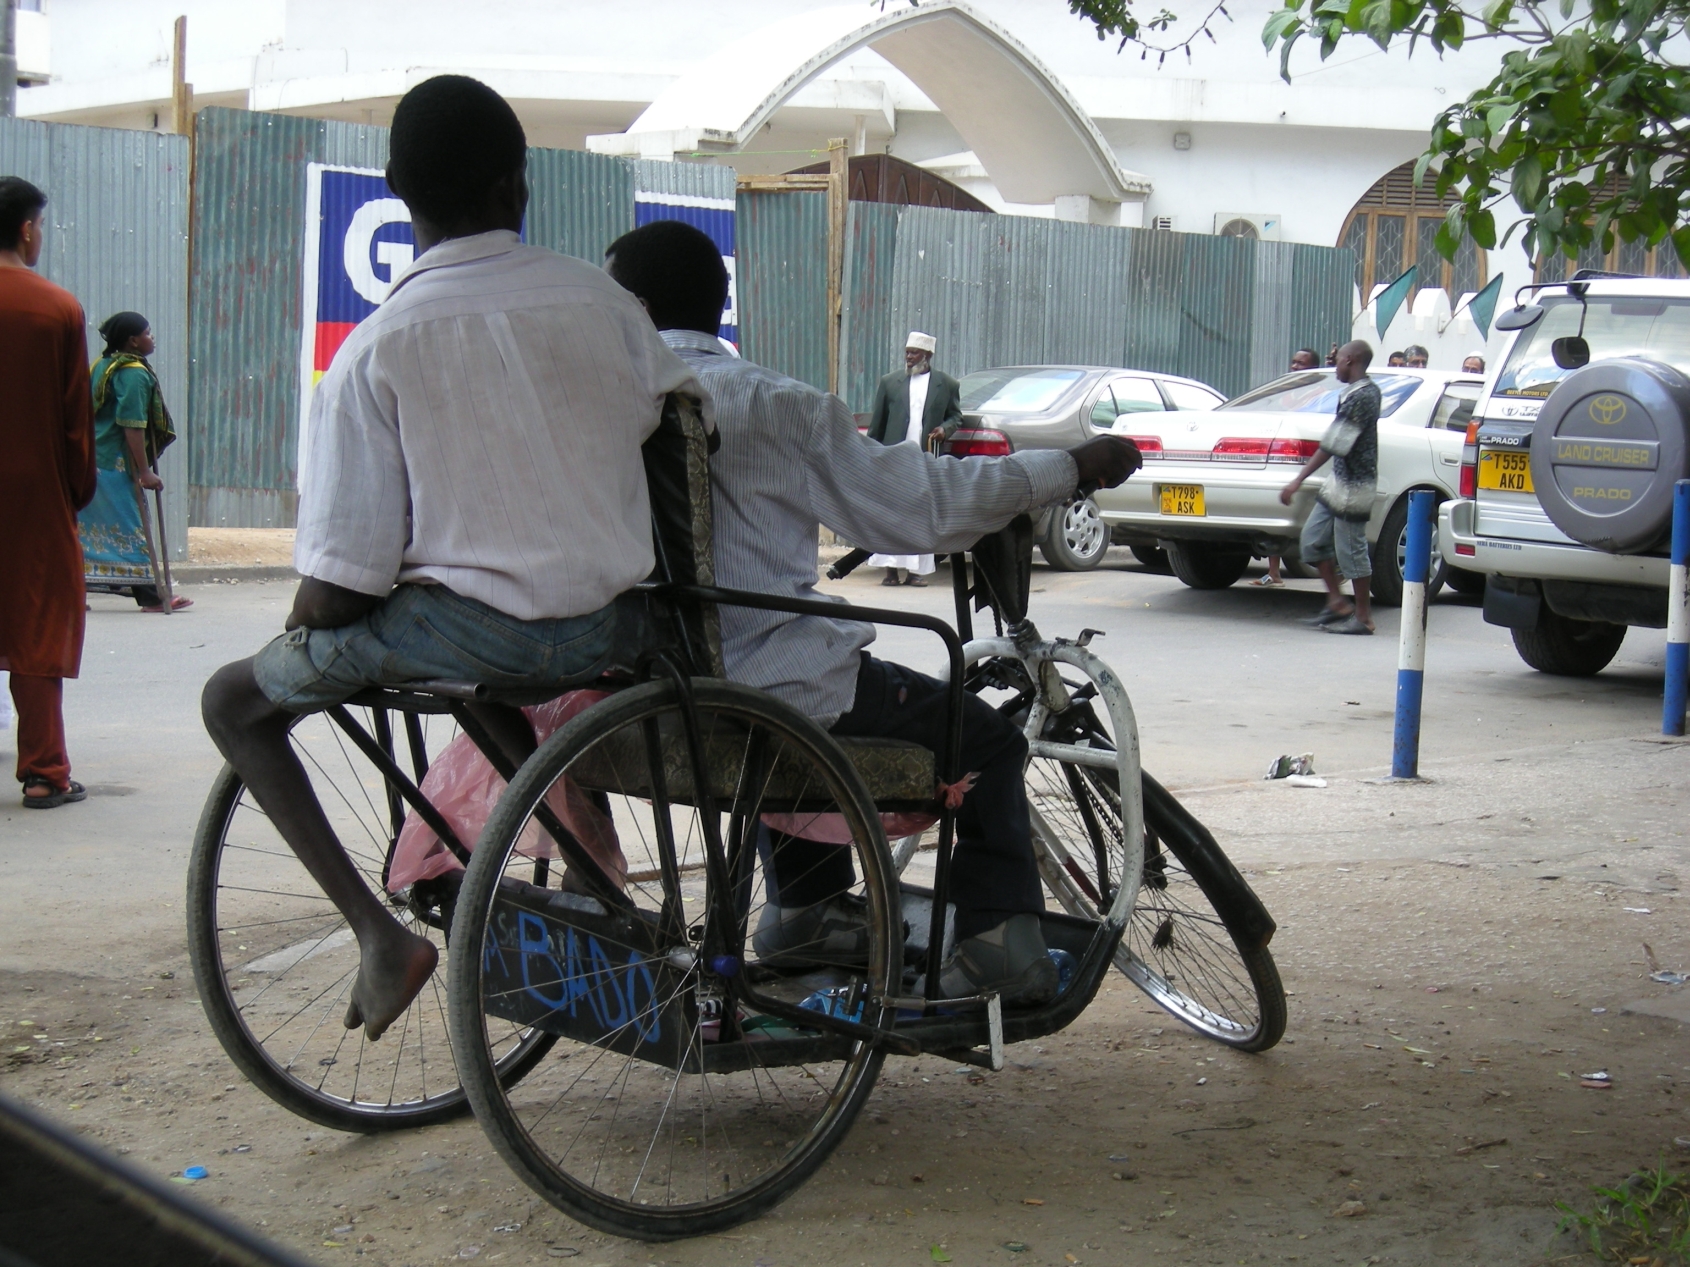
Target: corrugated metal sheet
(869,342)
(1217,294)
(1323,296)
(578,203)
(939,284)
(782,267)
(247,286)
(117,218)
(701,180)
(1090,267)
(1270,314)
(249,221)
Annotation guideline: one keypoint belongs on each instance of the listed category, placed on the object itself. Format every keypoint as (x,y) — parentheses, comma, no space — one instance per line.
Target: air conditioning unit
(1165,223)
(1260,225)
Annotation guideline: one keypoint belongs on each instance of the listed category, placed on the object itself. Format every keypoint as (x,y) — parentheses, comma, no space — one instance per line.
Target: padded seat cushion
(896,773)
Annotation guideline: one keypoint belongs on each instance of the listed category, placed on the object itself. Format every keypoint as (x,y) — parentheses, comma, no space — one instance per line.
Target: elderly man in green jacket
(917,406)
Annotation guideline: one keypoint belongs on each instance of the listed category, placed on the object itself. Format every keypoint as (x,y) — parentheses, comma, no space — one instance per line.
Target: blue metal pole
(1678,615)
(1411,652)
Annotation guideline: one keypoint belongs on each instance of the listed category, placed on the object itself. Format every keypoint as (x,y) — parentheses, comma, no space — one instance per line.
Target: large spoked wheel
(275,962)
(686,1092)
(1178,948)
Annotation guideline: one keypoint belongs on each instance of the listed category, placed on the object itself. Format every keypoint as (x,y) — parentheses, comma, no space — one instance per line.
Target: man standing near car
(918,405)
(1335,536)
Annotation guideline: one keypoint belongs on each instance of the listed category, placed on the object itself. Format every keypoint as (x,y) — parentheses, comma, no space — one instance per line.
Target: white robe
(920,564)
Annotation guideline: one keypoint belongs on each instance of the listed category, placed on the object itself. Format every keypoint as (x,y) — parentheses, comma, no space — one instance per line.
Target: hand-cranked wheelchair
(600,1000)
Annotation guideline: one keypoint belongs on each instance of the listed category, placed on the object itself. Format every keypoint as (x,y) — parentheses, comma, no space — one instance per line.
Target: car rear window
(1016,391)
(1317,392)
(1653,327)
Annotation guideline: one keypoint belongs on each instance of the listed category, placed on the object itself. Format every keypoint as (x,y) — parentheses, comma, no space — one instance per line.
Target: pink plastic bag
(464,788)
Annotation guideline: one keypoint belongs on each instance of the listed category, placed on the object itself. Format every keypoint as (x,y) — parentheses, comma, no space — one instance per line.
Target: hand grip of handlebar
(847,565)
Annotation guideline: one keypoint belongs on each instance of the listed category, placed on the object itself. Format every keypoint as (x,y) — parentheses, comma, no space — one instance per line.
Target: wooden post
(838,191)
(181,91)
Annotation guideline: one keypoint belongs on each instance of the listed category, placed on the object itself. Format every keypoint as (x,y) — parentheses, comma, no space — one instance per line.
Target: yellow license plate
(1509,472)
(1181,499)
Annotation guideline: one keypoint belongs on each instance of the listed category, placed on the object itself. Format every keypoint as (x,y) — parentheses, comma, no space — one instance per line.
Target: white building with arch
(1017,101)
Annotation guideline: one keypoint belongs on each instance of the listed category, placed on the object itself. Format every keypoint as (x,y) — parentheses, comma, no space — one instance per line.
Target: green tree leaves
(1586,125)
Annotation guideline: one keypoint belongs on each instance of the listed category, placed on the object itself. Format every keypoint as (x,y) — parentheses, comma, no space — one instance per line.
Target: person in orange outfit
(47,470)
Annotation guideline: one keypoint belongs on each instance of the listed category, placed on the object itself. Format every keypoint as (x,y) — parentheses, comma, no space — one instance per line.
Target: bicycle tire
(1228,990)
(305,1082)
(589,1150)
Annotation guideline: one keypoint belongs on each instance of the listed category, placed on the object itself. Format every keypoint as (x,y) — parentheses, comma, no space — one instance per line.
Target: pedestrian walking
(1335,535)
(919,406)
(47,470)
(131,428)
(1301,359)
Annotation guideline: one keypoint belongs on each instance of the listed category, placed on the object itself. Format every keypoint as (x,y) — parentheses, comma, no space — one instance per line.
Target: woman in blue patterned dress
(131,428)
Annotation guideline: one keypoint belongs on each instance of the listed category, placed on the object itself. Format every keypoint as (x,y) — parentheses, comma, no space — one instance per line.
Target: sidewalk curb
(219,574)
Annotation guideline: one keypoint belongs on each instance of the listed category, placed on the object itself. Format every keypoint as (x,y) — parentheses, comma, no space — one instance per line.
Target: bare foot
(390,975)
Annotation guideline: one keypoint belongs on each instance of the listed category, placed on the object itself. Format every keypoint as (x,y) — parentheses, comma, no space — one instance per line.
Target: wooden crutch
(161,578)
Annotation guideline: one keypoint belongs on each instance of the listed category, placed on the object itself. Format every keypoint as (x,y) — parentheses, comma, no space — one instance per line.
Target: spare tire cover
(1609,444)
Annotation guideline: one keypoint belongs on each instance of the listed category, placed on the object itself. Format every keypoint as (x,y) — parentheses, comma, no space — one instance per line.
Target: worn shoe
(913,579)
(1011,960)
(1327,617)
(833,933)
(1350,624)
(891,577)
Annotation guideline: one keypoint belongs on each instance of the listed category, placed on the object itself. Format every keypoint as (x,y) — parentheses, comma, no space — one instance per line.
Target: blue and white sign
(715,216)
(358,240)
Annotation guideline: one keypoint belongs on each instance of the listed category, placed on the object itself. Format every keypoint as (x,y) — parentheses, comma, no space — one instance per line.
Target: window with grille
(1395,224)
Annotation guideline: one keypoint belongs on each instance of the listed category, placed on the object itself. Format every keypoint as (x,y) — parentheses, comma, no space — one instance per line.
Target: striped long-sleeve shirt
(792,459)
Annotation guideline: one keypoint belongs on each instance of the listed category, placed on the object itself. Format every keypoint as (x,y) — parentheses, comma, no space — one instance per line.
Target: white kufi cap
(921,342)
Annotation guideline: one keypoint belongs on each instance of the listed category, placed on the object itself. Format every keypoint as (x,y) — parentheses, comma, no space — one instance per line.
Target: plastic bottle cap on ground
(195,1172)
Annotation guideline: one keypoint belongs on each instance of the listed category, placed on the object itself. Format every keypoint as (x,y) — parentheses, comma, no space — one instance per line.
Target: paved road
(1222,683)
(1488,922)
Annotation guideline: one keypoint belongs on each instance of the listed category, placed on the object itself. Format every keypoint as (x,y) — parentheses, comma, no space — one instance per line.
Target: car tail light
(1469,485)
(1148,446)
(970,443)
(1241,447)
(1298,451)
(1463,548)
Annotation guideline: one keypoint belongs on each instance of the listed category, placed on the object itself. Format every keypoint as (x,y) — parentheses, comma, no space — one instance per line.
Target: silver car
(1060,406)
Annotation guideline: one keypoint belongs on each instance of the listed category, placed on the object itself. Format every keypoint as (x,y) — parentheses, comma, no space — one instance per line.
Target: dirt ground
(1457,955)
(241,547)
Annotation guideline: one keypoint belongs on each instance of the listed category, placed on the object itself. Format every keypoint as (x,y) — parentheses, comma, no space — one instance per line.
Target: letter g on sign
(356,254)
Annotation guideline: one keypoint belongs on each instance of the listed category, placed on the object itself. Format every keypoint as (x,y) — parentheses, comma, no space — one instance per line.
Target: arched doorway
(1395,224)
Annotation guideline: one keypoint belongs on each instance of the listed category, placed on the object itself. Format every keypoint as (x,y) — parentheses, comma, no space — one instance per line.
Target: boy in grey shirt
(1335,536)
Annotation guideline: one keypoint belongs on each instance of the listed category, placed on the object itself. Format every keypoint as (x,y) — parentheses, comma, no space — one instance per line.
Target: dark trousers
(993,872)
(41,728)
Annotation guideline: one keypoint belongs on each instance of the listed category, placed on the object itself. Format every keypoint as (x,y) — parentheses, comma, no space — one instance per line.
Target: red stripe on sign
(330,335)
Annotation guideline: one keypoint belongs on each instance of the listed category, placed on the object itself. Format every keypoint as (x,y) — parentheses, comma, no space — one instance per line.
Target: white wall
(576,67)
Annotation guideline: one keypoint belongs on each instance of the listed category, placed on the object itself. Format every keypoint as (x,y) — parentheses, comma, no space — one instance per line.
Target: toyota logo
(1607,410)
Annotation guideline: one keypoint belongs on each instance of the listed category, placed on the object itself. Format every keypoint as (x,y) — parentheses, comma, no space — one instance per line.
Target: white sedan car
(1207,500)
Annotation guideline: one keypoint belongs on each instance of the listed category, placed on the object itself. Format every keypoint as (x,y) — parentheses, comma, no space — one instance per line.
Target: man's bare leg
(252,733)
(1335,601)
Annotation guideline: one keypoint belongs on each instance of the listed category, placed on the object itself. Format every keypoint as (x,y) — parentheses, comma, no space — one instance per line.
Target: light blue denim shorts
(1326,536)
(427,631)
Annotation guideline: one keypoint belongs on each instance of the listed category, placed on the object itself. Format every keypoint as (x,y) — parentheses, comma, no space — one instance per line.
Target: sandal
(176,605)
(1267,582)
(55,796)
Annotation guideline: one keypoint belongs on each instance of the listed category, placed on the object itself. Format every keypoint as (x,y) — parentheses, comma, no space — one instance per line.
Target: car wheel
(1472,584)
(1077,538)
(1390,555)
(1567,647)
(1154,558)
(1207,567)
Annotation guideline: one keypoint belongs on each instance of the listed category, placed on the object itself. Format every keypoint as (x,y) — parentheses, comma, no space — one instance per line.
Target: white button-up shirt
(791,459)
(482,430)
(918,407)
